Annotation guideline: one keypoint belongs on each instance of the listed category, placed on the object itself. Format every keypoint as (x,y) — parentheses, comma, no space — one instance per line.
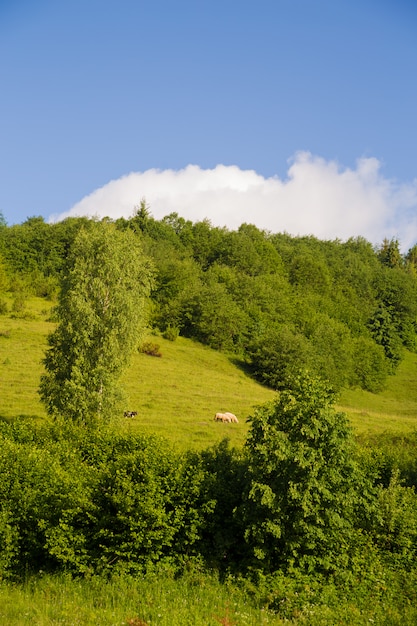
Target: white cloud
(318,197)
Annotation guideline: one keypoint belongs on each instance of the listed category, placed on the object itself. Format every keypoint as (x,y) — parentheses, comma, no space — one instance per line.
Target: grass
(22,346)
(193,600)
(392,410)
(177,395)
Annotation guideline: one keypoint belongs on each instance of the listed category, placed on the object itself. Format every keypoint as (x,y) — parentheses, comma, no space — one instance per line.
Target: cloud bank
(318,197)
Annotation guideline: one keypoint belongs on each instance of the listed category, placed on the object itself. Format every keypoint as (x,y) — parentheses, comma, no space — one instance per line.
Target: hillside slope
(177,395)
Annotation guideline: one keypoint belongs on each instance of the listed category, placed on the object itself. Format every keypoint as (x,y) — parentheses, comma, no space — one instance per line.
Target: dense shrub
(298,498)
(307,493)
(45,496)
(222,540)
(150,348)
(92,499)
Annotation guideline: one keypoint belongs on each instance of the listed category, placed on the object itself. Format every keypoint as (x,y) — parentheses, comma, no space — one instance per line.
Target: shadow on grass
(22,417)
(248,369)
(243,366)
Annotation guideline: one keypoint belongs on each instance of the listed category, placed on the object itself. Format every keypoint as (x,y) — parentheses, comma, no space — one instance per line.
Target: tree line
(344,310)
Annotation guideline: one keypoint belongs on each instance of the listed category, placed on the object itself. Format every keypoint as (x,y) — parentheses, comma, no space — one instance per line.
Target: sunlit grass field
(176,395)
(391,410)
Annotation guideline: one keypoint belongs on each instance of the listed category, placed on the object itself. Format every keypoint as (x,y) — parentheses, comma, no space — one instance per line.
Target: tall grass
(193,600)
(200,599)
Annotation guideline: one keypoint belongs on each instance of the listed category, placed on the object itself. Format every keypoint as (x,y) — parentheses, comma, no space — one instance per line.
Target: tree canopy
(100,313)
(346,310)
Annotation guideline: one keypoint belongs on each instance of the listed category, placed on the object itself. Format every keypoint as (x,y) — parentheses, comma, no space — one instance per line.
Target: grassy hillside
(178,394)
(394,409)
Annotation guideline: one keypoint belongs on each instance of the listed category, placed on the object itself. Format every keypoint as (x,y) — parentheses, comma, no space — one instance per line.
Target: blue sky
(295,115)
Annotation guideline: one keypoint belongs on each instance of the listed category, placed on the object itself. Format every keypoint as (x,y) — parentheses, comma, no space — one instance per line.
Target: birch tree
(100,315)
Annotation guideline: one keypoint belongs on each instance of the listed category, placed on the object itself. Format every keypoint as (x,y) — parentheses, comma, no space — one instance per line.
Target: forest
(343,310)
(310,524)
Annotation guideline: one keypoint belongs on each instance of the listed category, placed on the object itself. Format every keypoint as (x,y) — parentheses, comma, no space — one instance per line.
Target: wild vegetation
(296,517)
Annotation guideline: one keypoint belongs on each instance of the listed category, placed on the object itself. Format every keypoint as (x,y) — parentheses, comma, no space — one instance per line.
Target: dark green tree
(278,353)
(100,313)
(306,489)
(385,334)
(389,253)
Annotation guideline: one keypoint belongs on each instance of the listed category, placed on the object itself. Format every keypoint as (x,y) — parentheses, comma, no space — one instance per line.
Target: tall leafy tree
(306,490)
(100,314)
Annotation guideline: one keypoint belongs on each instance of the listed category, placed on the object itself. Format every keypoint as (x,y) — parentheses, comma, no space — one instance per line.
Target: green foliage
(222,539)
(4,278)
(232,290)
(147,500)
(389,253)
(218,321)
(396,524)
(297,523)
(277,354)
(150,348)
(391,454)
(370,367)
(92,500)
(101,314)
(171,333)
(19,303)
(307,492)
(46,497)
(384,333)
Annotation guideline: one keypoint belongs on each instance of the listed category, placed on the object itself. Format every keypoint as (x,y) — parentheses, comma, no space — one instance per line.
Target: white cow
(226,418)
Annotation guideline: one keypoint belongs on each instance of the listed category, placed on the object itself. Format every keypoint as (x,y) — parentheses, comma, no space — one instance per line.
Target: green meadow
(391,410)
(176,396)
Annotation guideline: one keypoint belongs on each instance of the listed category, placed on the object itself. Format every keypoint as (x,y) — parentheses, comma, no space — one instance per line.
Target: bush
(307,492)
(45,495)
(171,333)
(19,303)
(145,500)
(94,500)
(150,348)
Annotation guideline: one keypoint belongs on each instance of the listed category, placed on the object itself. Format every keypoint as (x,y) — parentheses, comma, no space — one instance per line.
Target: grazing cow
(225,417)
(130,413)
(233,418)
